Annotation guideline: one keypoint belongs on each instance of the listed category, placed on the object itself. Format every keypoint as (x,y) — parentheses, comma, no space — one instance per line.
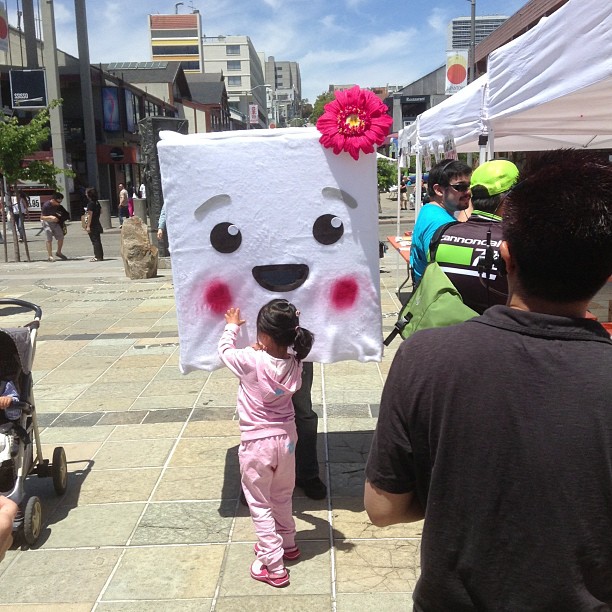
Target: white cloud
(438,20)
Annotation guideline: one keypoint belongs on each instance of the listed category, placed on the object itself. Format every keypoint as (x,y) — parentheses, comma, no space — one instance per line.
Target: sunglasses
(461,187)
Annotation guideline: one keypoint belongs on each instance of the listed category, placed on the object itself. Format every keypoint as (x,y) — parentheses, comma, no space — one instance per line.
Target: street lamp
(248,105)
(473,42)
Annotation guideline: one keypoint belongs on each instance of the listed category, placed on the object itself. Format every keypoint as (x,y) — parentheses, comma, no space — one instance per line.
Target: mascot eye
(328,229)
(225,237)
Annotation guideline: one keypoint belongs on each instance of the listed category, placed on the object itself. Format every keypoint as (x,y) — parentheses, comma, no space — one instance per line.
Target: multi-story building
(237,59)
(177,38)
(285,94)
(459,32)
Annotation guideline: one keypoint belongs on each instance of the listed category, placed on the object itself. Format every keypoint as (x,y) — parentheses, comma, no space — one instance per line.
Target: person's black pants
(306,421)
(96,241)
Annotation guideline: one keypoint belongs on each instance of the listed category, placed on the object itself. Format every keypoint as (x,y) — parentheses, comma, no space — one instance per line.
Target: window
(175,50)
(232,49)
(234,81)
(234,65)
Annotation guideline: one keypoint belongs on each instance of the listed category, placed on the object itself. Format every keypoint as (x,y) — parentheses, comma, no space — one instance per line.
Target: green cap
(495,176)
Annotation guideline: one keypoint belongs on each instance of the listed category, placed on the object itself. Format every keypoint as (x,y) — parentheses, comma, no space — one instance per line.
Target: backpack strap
(436,238)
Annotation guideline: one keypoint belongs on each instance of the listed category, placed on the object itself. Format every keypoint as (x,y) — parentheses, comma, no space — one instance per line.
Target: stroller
(20,447)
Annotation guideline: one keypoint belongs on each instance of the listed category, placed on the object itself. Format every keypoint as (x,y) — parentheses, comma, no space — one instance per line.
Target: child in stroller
(20,445)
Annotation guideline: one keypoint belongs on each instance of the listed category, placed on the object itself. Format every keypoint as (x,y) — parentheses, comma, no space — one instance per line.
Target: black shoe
(313,487)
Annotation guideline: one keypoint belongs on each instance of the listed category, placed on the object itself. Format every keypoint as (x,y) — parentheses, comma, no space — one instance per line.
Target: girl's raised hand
(233,316)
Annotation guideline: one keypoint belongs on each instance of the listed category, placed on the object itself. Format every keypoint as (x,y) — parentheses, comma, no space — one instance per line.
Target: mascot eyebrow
(216,201)
(340,194)
(224,199)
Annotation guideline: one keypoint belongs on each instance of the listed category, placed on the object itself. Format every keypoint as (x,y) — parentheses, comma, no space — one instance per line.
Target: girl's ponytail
(304,340)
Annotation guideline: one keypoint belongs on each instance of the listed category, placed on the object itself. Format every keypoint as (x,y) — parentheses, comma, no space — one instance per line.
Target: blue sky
(368,42)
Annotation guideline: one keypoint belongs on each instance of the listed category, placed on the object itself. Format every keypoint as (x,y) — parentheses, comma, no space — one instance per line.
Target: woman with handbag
(92,224)
(53,218)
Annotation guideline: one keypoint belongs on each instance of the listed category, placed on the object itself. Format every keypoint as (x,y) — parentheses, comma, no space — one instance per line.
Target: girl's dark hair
(91,193)
(281,321)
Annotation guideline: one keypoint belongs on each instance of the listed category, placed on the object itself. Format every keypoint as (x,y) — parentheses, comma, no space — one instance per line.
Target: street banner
(456,70)
(28,88)
(253,114)
(4,28)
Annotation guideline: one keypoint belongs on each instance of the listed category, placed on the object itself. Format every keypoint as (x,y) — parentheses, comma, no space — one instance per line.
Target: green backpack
(435,302)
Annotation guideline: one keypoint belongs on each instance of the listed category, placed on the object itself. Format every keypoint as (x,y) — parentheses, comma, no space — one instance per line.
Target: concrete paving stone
(133,453)
(201,429)
(182,605)
(214,452)
(63,375)
(189,522)
(350,521)
(94,525)
(348,410)
(339,423)
(214,413)
(353,396)
(64,435)
(349,447)
(100,362)
(141,360)
(57,576)
(171,387)
(133,417)
(351,368)
(173,373)
(166,573)
(77,419)
(100,486)
(163,401)
(286,603)
(47,390)
(47,406)
(198,483)
(47,607)
(100,403)
(347,479)
(167,415)
(354,382)
(152,346)
(121,388)
(76,452)
(377,566)
(145,431)
(375,410)
(115,375)
(309,576)
(366,602)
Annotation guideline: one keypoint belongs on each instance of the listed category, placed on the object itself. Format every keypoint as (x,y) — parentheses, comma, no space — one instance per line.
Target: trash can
(105,214)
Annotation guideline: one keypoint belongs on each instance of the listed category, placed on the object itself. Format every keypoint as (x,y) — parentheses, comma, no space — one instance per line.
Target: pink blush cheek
(344,293)
(217,297)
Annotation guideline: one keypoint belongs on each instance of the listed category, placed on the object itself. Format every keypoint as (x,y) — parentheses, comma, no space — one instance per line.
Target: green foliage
(319,106)
(387,174)
(19,142)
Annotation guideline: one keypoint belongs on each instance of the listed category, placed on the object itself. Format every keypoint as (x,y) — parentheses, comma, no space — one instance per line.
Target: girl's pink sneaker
(276,579)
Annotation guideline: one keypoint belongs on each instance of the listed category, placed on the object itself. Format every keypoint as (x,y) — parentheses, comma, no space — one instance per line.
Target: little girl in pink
(269,375)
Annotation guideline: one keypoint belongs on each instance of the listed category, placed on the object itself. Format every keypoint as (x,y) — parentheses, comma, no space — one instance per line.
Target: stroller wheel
(32,520)
(59,469)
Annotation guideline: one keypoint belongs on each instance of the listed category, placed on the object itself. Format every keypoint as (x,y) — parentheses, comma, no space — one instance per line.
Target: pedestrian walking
(123,211)
(93,226)
(53,218)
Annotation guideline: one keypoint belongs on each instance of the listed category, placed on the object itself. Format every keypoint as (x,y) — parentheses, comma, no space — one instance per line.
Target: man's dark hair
(558,224)
(444,172)
(482,201)
(57,196)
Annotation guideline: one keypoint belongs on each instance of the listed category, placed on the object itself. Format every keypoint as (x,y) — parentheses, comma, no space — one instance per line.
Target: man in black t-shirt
(498,431)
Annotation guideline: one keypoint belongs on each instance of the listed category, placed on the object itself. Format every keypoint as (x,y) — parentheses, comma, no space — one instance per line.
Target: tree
(319,106)
(387,174)
(19,142)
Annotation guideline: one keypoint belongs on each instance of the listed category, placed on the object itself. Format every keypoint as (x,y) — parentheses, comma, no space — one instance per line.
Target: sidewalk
(151,518)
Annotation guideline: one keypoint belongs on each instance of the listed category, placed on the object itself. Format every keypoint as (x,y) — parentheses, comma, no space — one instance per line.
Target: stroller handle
(17,302)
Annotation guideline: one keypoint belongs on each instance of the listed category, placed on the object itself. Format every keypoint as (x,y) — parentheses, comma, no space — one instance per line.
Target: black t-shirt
(94,208)
(462,255)
(502,426)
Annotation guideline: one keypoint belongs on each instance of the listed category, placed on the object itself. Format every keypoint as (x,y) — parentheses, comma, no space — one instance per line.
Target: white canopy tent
(549,88)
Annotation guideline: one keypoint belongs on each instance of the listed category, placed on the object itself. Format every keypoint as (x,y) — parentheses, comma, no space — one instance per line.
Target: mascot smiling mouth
(281,277)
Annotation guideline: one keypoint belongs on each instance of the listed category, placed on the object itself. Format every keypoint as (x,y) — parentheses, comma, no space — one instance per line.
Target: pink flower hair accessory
(355,121)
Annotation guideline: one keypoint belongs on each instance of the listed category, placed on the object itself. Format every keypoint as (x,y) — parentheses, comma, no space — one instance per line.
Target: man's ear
(505,263)
(438,190)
